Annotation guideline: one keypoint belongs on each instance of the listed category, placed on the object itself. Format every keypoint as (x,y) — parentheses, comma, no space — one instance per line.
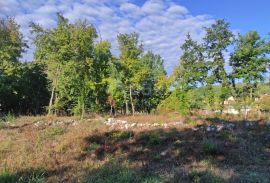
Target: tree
(53,48)
(192,70)
(154,83)
(130,53)
(217,39)
(12,46)
(249,63)
(76,65)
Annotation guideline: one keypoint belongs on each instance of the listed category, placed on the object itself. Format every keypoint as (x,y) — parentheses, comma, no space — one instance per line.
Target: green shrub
(178,101)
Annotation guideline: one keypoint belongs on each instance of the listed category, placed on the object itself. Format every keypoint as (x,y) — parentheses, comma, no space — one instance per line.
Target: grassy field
(65,149)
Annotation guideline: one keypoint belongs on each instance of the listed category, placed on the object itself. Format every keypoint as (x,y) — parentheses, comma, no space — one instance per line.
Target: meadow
(67,149)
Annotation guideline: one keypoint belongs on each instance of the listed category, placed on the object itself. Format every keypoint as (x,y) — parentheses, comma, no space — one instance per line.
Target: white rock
(219,127)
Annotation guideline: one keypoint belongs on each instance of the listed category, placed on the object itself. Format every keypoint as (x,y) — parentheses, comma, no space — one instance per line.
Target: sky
(162,24)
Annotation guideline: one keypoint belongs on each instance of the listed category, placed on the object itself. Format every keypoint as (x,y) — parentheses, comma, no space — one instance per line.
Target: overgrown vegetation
(90,152)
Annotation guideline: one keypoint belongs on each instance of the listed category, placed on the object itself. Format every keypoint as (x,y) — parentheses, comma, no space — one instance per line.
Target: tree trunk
(51,102)
(125,96)
(131,100)
(111,110)
(83,110)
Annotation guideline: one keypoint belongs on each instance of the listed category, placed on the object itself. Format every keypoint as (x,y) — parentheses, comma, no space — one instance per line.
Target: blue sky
(162,24)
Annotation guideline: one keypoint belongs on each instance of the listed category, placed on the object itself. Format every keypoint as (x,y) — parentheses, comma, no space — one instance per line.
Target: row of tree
(74,73)
(204,65)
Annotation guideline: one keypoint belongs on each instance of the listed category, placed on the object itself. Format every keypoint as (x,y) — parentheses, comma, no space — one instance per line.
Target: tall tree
(154,84)
(217,39)
(130,53)
(249,61)
(12,46)
(53,48)
(76,65)
(193,69)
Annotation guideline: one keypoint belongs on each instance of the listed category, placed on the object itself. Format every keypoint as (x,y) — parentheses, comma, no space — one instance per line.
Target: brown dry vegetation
(89,151)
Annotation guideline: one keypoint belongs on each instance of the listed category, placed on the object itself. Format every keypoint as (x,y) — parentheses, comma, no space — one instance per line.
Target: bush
(177,102)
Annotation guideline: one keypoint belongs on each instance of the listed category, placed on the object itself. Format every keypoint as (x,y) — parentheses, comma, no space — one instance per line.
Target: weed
(121,173)
(8,177)
(204,176)
(210,148)
(54,131)
(121,135)
(153,138)
(192,122)
(226,135)
(50,133)
(9,118)
(195,176)
(92,147)
(157,157)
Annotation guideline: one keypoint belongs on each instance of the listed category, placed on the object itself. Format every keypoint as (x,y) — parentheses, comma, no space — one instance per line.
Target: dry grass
(153,118)
(91,152)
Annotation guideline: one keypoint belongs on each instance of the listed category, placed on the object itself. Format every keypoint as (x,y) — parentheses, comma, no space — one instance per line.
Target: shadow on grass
(174,155)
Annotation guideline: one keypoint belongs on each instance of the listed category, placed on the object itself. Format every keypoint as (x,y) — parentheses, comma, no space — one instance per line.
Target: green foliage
(249,62)
(209,147)
(76,65)
(177,101)
(217,39)
(193,68)
(73,73)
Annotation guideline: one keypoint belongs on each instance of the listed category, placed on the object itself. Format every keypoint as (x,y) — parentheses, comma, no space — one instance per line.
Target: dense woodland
(74,72)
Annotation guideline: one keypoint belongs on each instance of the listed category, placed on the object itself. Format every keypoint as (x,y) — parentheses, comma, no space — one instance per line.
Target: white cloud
(162,25)
(177,9)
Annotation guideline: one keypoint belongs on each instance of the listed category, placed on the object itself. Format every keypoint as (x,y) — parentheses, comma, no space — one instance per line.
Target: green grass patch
(92,147)
(152,138)
(114,171)
(31,177)
(121,135)
(210,148)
